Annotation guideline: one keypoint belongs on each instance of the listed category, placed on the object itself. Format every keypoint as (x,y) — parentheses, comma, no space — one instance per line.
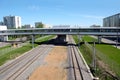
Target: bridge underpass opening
(60,39)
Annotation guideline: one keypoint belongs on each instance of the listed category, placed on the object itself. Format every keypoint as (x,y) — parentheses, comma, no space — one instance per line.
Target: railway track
(77,69)
(15,62)
(13,70)
(17,69)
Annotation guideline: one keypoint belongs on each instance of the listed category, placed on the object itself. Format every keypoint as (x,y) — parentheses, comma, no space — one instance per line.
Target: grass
(18,51)
(45,38)
(14,53)
(1,48)
(88,39)
(112,52)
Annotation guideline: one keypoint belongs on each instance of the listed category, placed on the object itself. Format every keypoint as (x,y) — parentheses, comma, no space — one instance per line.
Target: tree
(40,25)
(23,26)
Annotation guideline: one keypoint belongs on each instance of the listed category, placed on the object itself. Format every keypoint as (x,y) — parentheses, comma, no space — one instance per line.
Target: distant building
(3,27)
(112,21)
(12,21)
(61,26)
(3,38)
(94,26)
(43,25)
(27,26)
(47,26)
(1,23)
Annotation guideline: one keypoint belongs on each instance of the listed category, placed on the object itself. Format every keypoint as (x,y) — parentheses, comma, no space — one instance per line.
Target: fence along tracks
(6,67)
(77,69)
(13,70)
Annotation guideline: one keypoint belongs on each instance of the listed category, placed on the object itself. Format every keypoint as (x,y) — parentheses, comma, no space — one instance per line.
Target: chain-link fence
(6,50)
(103,60)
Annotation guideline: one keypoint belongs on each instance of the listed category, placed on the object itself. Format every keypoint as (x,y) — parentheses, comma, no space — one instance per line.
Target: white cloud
(34,8)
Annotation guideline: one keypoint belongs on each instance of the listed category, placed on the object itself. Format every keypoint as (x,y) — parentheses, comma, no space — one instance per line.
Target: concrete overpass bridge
(63,31)
(104,31)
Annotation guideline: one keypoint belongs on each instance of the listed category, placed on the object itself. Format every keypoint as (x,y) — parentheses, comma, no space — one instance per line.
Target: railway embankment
(106,57)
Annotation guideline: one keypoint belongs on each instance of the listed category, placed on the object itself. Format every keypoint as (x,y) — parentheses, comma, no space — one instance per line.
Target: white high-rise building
(12,22)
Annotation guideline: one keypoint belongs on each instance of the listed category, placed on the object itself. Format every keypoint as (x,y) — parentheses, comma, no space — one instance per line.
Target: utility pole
(79,38)
(33,41)
(94,56)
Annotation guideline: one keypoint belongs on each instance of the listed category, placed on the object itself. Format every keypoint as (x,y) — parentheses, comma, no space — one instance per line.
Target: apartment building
(112,21)
(12,22)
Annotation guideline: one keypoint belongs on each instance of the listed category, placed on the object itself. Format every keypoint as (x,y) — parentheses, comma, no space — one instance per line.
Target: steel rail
(79,71)
(17,61)
(75,64)
(25,66)
(23,63)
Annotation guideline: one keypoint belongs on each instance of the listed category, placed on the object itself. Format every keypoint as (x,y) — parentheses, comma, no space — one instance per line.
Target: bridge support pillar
(99,39)
(33,40)
(3,38)
(117,40)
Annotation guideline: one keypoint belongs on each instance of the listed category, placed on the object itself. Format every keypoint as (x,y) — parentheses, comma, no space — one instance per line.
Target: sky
(60,12)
